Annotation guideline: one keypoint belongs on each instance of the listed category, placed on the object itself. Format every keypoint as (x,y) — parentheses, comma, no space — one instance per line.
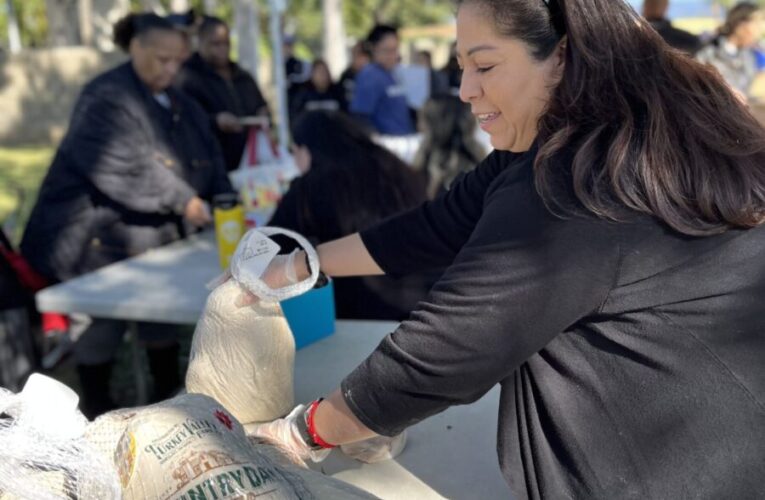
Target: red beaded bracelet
(312,426)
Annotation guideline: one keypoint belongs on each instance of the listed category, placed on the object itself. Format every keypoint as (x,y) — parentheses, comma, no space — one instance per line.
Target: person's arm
(109,147)
(260,104)
(425,238)
(511,291)
(524,278)
(347,256)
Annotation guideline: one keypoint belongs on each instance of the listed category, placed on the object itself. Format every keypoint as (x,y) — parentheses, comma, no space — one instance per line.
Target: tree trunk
(247,31)
(62,22)
(14,34)
(97,18)
(334,36)
(85,11)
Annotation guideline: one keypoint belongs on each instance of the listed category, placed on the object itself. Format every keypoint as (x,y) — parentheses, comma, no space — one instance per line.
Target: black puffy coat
(121,178)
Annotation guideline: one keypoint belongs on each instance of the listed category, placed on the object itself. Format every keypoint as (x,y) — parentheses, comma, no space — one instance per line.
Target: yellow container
(228,214)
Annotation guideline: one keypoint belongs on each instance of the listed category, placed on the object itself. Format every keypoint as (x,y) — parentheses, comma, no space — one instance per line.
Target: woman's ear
(135,47)
(559,60)
(560,53)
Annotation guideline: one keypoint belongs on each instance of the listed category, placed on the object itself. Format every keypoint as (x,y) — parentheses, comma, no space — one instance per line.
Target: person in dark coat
(360,57)
(351,183)
(605,269)
(655,12)
(132,173)
(225,90)
(319,93)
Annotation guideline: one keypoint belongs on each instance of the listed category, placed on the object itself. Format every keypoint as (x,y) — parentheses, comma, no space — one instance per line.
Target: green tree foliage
(730,3)
(361,15)
(32,22)
(303,17)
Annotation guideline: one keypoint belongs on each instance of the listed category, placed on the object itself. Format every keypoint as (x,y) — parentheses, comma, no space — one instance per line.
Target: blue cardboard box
(311,316)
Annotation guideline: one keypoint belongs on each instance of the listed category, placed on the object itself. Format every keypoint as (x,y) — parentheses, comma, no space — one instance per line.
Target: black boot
(163,363)
(94,380)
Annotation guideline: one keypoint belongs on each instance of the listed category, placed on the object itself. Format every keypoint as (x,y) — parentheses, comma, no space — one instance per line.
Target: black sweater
(630,357)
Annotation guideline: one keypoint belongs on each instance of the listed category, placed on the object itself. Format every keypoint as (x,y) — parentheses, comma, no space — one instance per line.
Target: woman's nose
(470,88)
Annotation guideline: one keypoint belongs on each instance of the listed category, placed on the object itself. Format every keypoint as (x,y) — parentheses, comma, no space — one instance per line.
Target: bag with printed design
(263,175)
(191,447)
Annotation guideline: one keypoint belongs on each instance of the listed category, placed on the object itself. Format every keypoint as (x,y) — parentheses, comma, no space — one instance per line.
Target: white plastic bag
(43,453)
(243,356)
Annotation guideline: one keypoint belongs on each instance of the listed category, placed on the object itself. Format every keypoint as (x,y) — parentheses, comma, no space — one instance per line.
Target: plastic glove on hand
(284,433)
(376,449)
(281,272)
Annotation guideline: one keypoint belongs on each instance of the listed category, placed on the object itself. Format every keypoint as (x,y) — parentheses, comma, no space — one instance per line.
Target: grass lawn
(21,169)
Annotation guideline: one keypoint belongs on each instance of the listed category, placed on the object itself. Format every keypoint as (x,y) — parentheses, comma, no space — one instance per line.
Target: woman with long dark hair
(449,146)
(605,266)
(352,184)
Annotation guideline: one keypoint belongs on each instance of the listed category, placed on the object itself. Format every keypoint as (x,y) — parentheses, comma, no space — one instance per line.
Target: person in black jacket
(605,266)
(351,183)
(655,12)
(318,93)
(225,90)
(131,174)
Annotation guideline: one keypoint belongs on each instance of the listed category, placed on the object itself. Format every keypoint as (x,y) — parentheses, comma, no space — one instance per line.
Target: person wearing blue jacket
(379,100)
(131,174)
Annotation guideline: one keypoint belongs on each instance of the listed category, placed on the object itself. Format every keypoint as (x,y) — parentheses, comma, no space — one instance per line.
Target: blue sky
(683,8)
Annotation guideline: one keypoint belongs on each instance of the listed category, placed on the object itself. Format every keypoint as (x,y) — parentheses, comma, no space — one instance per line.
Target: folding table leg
(140,377)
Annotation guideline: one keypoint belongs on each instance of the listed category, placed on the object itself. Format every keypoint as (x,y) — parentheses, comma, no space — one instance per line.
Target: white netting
(243,355)
(43,454)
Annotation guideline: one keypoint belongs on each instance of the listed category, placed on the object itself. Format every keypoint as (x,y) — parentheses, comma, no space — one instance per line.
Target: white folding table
(450,455)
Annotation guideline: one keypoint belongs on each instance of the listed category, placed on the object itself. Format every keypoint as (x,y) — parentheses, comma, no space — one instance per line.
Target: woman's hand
(375,449)
(197,213)
(283,270)
(284,433)
(228,122)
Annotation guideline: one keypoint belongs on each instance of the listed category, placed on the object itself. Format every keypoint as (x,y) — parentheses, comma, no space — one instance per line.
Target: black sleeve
(257,96)
(429,237)
(109,147)
(523,278)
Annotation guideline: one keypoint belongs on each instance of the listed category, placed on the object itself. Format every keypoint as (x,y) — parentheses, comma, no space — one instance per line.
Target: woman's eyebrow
(479,48)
